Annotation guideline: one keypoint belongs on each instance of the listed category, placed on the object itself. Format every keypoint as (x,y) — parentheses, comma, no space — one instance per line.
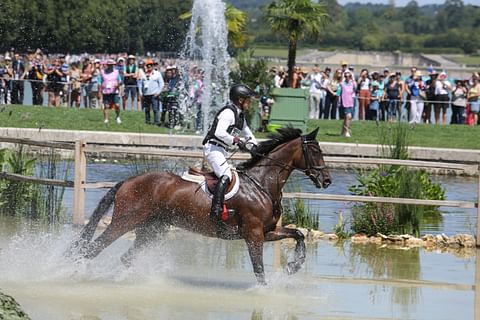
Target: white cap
(8,58)
(97,61)
(131,56)
(120,59)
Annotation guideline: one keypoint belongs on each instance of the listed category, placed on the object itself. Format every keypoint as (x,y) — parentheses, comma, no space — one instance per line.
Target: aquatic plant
(26,199)
(299,214)
(394,181)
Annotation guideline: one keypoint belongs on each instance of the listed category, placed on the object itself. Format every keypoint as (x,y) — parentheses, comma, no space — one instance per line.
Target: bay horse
(151,202)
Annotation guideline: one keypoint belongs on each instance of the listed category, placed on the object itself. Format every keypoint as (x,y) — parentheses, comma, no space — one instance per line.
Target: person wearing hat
(109,82)
(228,125)
(416,93)
(130,82)
(392,95)
(19,74)
(315,98)
(442,98)
(54,83)
(152,87)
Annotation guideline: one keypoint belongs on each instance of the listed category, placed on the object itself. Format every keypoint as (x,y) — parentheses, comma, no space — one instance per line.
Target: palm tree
(295,19)
(236,22)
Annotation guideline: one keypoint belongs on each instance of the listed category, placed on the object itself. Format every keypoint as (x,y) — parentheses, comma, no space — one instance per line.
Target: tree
(236,22)
(294,19)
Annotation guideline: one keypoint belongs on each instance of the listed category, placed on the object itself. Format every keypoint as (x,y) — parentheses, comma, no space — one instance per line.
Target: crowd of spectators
(149,84)
(144,84)
(385,95)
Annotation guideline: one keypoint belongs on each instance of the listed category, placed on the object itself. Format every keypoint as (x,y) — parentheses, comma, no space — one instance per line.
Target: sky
(402,3)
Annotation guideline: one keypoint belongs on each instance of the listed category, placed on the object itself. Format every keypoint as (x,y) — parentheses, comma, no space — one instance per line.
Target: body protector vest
(239,121)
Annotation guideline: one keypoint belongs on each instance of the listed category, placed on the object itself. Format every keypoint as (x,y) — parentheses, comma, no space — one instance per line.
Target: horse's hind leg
(283,233)
(114,231)
(147,233)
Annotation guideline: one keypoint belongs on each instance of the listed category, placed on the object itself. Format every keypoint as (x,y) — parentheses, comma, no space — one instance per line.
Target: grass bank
(451,136)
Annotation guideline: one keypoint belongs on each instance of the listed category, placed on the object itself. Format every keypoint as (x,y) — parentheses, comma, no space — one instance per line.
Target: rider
(225,131)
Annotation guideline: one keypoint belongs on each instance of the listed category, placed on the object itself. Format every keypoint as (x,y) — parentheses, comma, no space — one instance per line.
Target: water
(207,42)
(187,276)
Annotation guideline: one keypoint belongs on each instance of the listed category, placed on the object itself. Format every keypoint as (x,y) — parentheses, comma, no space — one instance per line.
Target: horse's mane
(282,135)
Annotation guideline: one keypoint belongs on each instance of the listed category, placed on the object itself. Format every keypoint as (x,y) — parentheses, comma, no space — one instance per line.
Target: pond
(187,276)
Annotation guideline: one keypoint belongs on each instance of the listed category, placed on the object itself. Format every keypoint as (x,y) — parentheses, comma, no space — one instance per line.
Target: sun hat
(110,61)
(131,56)
(121,59)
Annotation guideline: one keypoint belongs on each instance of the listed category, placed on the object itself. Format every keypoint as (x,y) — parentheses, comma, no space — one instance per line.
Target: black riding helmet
(238,91)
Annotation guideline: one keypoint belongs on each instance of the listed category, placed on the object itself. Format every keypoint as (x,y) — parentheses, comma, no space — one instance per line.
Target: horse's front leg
(284,233)
(254,241)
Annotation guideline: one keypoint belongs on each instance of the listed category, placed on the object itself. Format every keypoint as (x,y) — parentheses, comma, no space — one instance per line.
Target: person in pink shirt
(346,92)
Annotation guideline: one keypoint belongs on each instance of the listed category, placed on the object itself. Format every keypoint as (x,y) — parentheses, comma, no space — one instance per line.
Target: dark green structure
(290,108)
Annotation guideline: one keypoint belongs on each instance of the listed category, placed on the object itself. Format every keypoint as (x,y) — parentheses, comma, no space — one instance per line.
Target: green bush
(397,182)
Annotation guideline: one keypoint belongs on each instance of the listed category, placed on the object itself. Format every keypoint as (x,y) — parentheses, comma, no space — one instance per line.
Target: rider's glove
(240,143)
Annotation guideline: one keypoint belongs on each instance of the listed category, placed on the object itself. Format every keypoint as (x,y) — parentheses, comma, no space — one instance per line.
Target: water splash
(207,43)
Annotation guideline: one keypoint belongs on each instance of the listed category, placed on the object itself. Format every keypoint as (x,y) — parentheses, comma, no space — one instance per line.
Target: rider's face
(246,103)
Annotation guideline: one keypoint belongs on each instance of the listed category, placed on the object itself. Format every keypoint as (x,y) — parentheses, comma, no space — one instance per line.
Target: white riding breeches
(216,158)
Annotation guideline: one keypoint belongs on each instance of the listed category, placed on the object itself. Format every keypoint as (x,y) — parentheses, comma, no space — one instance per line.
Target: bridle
(308,161)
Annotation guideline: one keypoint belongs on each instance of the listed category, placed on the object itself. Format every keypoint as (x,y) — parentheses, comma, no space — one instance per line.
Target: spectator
(459,103)
(364,87)
(392,96)
(331,99)
(408,83)
(18,83)
(130,82)
(35,75)
(152,86)
(121,71)
(346,92)
(7,76)
(109,82)
(295,81)
(442,99)
(75,78)
(416,91)
(279,79)
(375,98)
(54,84)
(323,91)
(430,93)
(473,97)
(141,75)
(315,79)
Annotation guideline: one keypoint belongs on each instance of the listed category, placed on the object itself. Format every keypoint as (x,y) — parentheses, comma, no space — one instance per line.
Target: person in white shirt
(315,93)
(225,131)
(152,86)
(442,99)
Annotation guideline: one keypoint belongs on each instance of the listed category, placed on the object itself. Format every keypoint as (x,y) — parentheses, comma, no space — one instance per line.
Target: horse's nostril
(326,183)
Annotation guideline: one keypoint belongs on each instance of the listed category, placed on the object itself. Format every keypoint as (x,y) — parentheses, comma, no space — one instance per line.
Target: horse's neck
(272,173)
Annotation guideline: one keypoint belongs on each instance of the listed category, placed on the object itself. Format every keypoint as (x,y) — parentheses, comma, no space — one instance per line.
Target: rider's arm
(248,134)
(225,119)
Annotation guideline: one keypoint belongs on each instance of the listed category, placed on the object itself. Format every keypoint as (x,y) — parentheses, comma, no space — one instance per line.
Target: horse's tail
(102,208)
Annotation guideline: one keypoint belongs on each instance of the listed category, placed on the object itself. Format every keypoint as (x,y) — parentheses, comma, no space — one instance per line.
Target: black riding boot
(219,197)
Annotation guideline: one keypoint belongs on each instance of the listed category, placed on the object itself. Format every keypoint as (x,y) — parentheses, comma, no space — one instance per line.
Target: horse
(151,202)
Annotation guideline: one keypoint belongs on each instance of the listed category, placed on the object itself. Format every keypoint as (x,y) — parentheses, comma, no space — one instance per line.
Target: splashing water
(207,43)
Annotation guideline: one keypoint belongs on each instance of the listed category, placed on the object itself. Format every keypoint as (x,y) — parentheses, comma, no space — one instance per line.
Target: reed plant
(297,213)
(28,200)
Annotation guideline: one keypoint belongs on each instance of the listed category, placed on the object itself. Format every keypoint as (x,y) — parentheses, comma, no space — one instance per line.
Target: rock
(316,235)
(384,237)
(395,238)
(359,238)
(414,242)
(376,240)
(331,236)
(10,309)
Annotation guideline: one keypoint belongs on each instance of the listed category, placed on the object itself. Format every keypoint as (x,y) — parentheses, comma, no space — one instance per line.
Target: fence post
(477,238)
(79,181)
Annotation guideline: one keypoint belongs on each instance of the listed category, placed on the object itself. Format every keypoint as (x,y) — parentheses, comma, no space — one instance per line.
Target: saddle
(210,178)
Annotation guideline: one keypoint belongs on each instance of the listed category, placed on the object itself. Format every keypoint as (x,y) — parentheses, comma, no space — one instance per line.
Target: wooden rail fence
(81,148)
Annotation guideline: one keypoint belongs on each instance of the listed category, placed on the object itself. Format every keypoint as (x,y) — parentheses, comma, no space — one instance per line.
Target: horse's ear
(312,135)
